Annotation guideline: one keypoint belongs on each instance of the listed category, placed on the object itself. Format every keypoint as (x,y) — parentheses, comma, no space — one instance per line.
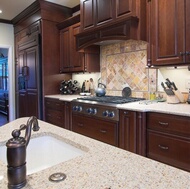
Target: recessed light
(1,11)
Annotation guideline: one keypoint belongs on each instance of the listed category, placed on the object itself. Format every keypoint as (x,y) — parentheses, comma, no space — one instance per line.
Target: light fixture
(1,11)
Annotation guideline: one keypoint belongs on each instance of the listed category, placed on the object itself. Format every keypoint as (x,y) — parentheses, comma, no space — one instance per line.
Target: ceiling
(11,8)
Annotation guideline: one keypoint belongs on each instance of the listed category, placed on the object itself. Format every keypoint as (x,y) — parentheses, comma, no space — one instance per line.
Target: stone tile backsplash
(124,65)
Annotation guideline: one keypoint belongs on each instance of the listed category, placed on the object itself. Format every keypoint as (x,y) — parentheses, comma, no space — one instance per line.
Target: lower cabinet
(168,139)
(105,131)
(132,131)
(57,112)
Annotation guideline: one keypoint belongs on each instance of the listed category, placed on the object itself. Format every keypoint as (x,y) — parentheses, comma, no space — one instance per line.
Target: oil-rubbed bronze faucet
(16,154)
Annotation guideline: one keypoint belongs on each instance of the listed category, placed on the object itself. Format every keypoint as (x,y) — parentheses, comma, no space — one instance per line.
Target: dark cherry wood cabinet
(169,32)
(111,20)
(87,60)
(58,112)
(132,131)
(95,13)
(37,56)
(168,139)
(70,59)
(105,131)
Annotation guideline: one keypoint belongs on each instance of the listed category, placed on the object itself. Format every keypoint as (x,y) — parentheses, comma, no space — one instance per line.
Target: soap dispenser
(16,160)
(188,99)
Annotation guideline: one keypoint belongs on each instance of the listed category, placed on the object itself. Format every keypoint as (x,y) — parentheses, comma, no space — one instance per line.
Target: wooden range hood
(123,30)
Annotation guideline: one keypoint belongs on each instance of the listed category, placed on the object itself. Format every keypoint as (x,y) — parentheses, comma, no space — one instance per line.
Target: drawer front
(95,128)
(169,123)
(55,117)
(170,150)
(54,104)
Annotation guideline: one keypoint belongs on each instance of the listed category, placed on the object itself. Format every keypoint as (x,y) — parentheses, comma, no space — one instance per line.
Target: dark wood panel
(167,32)
(87,14)
(123,8)
(98,129)
(170,150)
(169,123)
(104,11)
(127,128)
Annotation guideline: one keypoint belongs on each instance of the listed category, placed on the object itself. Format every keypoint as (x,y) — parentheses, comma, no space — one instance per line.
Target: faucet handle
(16,132)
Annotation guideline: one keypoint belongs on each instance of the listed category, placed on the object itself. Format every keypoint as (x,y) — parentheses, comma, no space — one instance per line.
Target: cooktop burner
(111,99)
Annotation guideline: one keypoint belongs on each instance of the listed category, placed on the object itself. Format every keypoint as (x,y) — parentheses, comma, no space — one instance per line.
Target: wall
(7,41)
(178,75)
(124,65)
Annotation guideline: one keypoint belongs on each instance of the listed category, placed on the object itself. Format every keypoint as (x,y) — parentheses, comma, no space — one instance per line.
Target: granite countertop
(182,109)
(102,166)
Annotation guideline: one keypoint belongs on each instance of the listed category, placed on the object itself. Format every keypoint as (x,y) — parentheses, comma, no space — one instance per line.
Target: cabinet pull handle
(187,53)
(182,53)
(125,112)
(103,131)
(163,123)
(163,147)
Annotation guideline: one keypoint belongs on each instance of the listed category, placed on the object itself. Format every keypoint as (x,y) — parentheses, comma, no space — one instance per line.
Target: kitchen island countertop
(101,167)
(182,109)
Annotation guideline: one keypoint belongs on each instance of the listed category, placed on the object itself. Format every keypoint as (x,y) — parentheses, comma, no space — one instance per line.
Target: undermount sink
(44,152)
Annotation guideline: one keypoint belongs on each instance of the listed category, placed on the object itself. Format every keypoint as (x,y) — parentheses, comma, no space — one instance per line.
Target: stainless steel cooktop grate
(111,99)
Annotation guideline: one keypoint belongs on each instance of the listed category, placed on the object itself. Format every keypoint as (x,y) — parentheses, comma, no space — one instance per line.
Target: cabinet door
(104,11)
(123,8)
(167,31)
(127,131)
(64,50)
(87,14)
(187,7)
(31,68)
(76,58)
(22,105)
(32,103)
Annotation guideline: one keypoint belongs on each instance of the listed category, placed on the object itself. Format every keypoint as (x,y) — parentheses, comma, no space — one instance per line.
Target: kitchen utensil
(168,91)
(178,93)
(126,92)
(87,86)
(100,91)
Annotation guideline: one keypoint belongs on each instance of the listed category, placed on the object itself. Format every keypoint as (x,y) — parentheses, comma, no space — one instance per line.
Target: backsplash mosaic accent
(124,64)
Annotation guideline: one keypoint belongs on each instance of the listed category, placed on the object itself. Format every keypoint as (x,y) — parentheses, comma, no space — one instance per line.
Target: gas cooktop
(111,99)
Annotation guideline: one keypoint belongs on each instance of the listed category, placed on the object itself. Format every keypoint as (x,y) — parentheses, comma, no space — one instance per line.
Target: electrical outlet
(187,84)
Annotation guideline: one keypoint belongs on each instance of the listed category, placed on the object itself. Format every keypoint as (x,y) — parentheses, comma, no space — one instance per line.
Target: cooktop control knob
(94,111)
(105,113)
(77,108)
(89,110)
(111,114)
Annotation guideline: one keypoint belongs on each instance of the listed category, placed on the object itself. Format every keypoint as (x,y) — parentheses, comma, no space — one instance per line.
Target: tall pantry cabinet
(37,56)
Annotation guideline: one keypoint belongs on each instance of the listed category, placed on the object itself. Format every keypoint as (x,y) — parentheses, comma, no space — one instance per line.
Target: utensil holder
(173,99)
(179,96)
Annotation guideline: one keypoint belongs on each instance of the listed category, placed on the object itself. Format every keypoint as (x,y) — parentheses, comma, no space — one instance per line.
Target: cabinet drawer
(55,117)
(95,128)
(174,151)
(54,104)
(169,123)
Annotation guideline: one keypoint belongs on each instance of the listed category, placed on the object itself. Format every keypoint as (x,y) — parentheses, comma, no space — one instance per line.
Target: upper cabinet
(110,20)
(87,60)
(95,13)
(169,32)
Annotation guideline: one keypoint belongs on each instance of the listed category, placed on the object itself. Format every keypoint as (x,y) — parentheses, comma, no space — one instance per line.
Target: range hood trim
(123,30)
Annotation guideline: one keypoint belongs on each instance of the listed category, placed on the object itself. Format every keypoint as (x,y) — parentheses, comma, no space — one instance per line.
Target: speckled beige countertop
(101,167)
(162,107)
